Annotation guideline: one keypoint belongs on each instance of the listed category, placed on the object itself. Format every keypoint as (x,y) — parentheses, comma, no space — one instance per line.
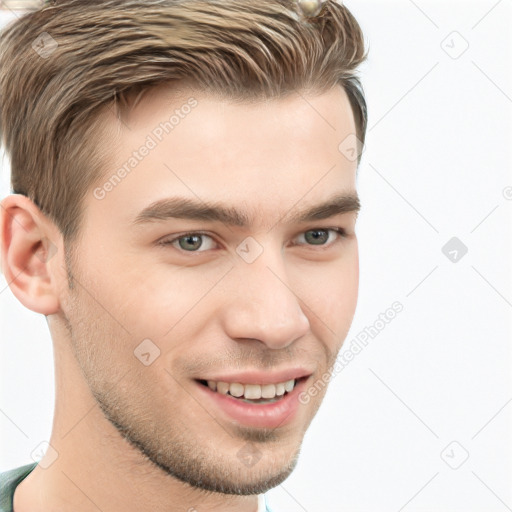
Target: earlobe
(27,252)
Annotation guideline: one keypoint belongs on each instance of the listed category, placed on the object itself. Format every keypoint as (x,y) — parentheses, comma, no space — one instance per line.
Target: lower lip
(272,415)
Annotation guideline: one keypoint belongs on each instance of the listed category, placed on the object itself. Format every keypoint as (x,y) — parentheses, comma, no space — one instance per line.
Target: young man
(184,209)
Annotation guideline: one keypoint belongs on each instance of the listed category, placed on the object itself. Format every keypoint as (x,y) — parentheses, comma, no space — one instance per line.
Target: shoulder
(9,480)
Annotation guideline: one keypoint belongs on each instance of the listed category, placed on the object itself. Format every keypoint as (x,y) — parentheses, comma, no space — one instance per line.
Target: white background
(434,385)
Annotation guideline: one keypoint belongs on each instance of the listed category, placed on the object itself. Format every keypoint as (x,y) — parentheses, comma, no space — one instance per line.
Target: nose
(263,304)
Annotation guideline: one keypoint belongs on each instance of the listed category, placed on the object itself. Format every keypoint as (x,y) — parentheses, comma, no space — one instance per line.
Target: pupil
(194,240)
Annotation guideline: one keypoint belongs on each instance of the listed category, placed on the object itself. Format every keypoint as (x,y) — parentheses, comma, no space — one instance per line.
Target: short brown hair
(103,51)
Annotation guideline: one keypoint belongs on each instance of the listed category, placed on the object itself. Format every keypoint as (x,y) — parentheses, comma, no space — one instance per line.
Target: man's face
(149,321)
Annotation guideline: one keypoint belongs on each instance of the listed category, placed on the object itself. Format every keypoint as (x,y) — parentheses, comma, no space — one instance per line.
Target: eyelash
(339,231)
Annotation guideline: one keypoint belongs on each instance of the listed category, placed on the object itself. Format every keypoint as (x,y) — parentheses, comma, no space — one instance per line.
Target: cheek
(331,294)
(340,299)
(152,302)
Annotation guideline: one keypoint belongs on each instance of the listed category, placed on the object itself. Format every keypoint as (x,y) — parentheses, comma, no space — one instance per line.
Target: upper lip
(259,377)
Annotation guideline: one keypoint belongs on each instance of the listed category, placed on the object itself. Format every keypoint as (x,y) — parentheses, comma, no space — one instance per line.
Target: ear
(29,243)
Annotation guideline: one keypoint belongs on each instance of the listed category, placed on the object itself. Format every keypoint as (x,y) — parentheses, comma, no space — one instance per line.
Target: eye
(192,242)
(319,236)
(189,242)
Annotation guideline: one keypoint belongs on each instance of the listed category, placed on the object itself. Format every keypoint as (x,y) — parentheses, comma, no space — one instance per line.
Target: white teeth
(236,389)
(222,387)
(288,385)
(268,391)
(252,391)
(280,389)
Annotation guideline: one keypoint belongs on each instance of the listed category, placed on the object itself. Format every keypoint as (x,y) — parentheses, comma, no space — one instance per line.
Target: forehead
(261,155)
(212,117)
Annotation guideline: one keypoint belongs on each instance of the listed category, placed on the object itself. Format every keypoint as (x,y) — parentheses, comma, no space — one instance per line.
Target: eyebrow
(192,209)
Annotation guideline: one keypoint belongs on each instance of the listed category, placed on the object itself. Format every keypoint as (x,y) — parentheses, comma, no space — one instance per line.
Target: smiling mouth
(246,393)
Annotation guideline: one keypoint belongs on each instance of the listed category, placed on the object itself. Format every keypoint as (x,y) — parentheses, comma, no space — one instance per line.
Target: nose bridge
(264,305)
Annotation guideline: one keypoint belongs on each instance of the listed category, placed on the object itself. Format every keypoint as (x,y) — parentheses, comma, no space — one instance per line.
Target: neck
(90,466)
